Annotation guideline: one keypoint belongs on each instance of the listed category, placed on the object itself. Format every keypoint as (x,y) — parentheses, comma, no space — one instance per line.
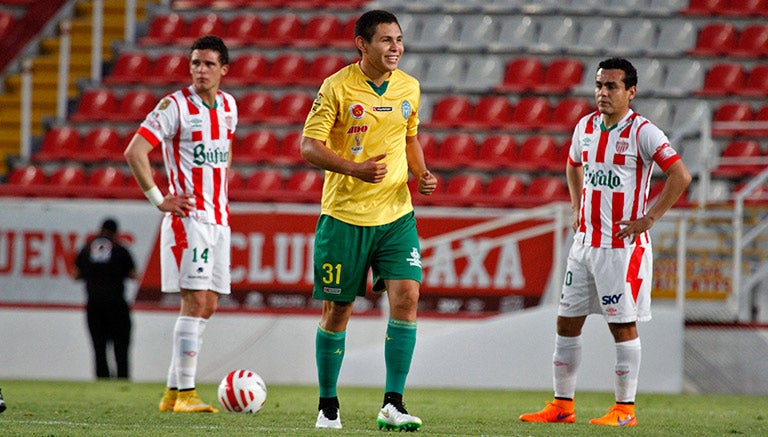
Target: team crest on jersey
(357,111)
(622,146)
(164,104)
(406,109)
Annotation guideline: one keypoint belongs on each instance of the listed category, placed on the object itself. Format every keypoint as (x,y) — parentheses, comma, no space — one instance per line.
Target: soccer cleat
(618,415)
(2,402)
(395,418)
(189,402)
(328,418)
(557,411)
(169,399)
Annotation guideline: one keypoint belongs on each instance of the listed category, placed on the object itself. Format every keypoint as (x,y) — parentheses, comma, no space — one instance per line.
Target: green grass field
(111,408)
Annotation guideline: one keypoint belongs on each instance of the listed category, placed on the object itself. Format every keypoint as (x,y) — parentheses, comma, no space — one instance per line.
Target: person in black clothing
(104,264)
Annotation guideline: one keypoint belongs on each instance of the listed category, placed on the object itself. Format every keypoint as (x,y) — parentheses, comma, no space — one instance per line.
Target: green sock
(329,353)
(398,352)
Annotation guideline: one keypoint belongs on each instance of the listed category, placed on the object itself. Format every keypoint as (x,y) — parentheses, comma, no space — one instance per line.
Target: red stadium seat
(723,79)
(164,30)
(304,186)
(530,113)
(320,68)
(566,113)
(281,30)
(761,117)
(96,104)
(257,146)
(129,68)
(752,41)
(235,179)
(743,8)
(743,150)
(506,186)
(464,189)
(319,31)
(109,182)
(450,111)
(201,25)
(715,39)
(29,175)
(704,7)
(7,20)
(561,76)
(289,150)
(490,112)
(59,143)
(429,145)
(522,74)
(756,84)
(68,180)
(731,112)
(169,68)
(346,32)
(243,30)
(247,69)
(456,150)
(538,152)
(496,152)
(135,105)
(544,189)
(291,108)
(102,144)
(285,69)
(263,185)
(255,107)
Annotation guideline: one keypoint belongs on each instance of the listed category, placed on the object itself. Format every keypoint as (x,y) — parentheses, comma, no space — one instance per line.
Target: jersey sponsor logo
(357,111)
(196,123)
(612,299)
(331,290)
(357,129)
(599,178)
(211,156)
(405,108)
(316,103)
(415,259)
(381,109)
(164,104)
(622,146)
(665,152)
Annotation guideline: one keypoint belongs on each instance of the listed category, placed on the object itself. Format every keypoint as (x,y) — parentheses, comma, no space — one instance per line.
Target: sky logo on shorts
(415,259)
(612,299)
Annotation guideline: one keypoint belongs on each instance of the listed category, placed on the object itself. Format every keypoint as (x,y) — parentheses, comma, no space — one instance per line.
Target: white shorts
(612,282)
(194,255)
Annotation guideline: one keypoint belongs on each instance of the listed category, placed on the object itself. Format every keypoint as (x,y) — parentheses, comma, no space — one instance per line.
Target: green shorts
(344,254)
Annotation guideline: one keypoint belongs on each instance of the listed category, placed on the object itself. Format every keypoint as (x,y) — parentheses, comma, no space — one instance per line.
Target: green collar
(380,90)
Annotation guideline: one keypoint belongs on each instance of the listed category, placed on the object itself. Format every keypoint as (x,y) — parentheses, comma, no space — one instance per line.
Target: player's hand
(178,205)
(427,183)
(633,228)
(371,170)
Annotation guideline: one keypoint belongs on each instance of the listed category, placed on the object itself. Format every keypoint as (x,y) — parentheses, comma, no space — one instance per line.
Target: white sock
(627,370)
(566,362)
(186,349)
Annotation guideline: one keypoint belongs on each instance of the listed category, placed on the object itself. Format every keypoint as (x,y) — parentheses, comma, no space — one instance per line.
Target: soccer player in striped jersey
(194,126)
(609,267)
(362,131)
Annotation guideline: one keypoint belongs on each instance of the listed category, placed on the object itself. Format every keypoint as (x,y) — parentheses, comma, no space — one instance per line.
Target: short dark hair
(630,73)
(109,225)
(212,42)
(365,26)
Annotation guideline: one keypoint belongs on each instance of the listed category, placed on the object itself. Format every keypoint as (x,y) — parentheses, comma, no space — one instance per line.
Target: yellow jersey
(357,123)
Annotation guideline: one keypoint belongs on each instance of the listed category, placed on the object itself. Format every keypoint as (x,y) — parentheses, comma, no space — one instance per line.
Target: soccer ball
(242,391)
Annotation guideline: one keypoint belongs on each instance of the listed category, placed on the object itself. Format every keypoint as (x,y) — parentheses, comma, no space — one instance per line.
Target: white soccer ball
(242,391)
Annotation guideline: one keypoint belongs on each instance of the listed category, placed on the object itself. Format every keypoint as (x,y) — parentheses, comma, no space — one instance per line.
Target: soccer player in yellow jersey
(362,131)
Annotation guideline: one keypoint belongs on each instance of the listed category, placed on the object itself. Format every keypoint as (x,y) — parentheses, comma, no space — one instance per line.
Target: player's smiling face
(383,52)
(206,70)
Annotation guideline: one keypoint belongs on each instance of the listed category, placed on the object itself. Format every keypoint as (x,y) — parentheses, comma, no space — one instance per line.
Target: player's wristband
(154,196)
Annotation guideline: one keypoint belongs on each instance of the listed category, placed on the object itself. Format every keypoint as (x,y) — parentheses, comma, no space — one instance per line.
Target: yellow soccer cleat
(619,415)
(189,402)
(557,411)
(169,399)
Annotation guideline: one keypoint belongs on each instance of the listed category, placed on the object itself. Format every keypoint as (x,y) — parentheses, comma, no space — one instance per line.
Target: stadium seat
(96,104)
(304,186)
(756,84)
(169,69)
(596,36)
(164,30)
(636,37)
(476,31)
(731,112)
(650,76)
(289,150)
(482,75)
(566,113)
(537,153)
(258,146)
(562,74)
(255,107)
(464,189)
(675,38)
(683,78)
(530,113)
(291,108)
(263,185)
(28,175)
(59,143)
(243,30)
(504,189)
(68,180)
(435,34)
(723,79)
(490,112)
(743,150)
(544,189)
(129,68)
(456,150)
(715,39)
(704,7)
(495,152)
(135,104)
(247,69)
(318,31)
(108,182)
(744,8)
(320,68)
(555,34)
(517,33)
(7,20)
(752,42)
(285,69)
(759,195)
(658,111)
(761,117)
(429,145)
(235,179)
(101,144)
(201,25)
(344,38)
(451,111)
(443,72)
(522,74)
(666,7)
(280,31)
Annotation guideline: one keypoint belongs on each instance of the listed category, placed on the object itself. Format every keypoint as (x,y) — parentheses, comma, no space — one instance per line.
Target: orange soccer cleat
(619,415)
(557,411)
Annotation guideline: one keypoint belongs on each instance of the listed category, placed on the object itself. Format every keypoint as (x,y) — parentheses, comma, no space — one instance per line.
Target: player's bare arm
(678,178)
(137,156)
(575,177)
(316,153)
(415,156)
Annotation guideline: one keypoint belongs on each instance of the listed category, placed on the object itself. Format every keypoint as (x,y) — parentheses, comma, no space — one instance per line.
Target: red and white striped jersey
(617,173)
(196,143)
